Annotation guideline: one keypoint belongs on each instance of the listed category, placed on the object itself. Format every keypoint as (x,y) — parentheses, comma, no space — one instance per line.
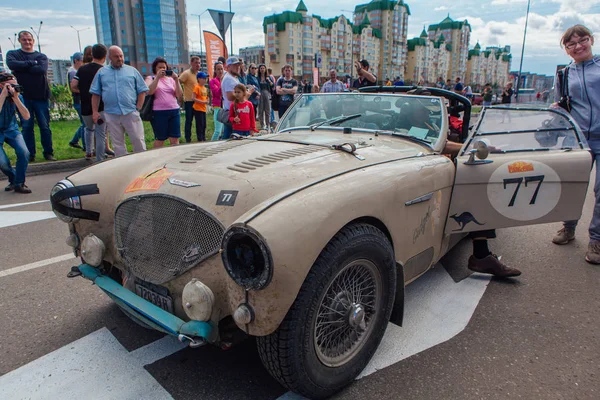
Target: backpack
(565,98)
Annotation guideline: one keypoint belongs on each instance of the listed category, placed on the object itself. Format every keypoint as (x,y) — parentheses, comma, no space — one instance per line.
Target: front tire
(339,317)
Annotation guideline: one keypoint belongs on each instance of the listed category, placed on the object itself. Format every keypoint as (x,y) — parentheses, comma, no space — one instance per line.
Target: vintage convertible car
(306,238)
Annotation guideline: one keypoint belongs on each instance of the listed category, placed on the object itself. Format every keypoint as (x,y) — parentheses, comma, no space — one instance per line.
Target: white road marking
(23,204)
(37,264)
(435,310)
(11,218)
(96,366)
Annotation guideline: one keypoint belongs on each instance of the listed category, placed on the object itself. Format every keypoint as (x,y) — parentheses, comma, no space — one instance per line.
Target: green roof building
(456,35)
(491,65)
(300,40)
(389,20)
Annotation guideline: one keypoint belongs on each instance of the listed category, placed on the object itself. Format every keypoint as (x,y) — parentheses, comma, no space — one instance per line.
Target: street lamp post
(13,41)
(522,52)
(78,39)
(230,32)
(37,35)
(200,27)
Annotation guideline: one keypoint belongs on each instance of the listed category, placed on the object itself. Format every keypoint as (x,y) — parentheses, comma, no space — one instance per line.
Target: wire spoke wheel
(347,312)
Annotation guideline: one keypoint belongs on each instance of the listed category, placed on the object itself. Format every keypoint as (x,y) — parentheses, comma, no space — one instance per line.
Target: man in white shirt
(332,85)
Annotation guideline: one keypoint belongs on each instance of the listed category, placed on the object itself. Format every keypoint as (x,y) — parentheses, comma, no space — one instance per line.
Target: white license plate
(164,302)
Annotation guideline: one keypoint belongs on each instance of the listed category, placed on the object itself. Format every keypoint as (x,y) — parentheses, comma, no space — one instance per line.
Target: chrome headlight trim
(242,244)
(72,202)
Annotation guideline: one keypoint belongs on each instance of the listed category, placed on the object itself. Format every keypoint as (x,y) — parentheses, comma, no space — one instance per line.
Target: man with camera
(81,84)
(11,102)
(123,90)
(365,78)
(30,68)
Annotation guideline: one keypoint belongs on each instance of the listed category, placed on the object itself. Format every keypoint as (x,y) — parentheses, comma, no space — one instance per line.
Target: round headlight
(198,300)
(247,258)
(72,202)
(92,250)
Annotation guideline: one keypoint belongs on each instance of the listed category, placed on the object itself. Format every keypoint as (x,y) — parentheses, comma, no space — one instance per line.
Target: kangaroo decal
(463,219)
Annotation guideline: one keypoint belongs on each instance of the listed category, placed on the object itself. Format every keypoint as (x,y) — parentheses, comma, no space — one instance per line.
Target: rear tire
(339,316)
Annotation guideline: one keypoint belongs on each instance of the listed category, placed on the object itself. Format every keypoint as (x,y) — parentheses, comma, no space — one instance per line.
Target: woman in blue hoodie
(583,88)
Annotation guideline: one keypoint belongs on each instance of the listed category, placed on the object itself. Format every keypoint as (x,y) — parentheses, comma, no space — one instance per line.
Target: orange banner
(215,48)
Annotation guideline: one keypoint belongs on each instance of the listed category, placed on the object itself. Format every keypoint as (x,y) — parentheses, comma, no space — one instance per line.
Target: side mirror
(481,151)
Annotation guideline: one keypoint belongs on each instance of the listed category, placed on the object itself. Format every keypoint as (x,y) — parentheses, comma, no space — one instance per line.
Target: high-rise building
(491,65)
(301,40)
(2,67)
(456,34)
(418,65)
(57,71)
(253,55)
(390,19)
(144,29)
(378,35)
(427,59)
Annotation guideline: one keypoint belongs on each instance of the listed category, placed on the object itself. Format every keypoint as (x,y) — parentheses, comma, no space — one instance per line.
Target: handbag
(147,113)
(223,116)
(275,99)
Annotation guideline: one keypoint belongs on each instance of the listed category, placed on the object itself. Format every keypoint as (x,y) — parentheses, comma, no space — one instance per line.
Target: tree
(62,102)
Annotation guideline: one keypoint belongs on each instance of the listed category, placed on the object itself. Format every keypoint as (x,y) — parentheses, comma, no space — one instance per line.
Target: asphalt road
(534,337)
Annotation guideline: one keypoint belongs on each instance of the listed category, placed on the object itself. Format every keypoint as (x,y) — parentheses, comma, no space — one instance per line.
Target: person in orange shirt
(200,97)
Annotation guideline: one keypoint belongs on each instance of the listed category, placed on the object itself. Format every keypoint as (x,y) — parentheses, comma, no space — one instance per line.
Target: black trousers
(200,125)
(487,234)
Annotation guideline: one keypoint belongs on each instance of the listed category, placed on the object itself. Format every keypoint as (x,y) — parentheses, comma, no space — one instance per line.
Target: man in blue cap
(77,62)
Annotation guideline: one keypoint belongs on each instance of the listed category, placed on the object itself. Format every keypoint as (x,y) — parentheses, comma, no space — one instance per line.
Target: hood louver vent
(213,150)
(259,162)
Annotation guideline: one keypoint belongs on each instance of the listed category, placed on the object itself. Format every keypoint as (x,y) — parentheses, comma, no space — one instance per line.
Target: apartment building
(57,71)
(253,55)
(418,63)
(390,20)
(456,34)
(305,41)
(427,59)
(378,34)
(491,65)
(144,29)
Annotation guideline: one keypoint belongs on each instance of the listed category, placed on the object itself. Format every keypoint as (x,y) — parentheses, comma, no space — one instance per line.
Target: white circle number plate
(524,190)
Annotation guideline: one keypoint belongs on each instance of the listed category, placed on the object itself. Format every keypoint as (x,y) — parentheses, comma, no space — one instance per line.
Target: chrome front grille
(160,237)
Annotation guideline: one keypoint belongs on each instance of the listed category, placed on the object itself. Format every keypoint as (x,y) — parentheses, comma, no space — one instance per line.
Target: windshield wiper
(412,138)
(336,120)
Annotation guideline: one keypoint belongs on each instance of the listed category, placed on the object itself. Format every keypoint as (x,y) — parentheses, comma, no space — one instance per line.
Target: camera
(169,72)
(565,103)
(4,77)
(17,88)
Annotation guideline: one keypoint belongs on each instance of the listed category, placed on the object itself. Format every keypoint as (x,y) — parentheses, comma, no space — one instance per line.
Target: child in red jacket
(241,113)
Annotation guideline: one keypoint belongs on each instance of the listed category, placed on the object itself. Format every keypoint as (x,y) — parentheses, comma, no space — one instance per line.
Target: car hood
(234,179)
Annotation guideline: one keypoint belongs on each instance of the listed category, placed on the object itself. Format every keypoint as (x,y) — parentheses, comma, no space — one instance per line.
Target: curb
(52,167)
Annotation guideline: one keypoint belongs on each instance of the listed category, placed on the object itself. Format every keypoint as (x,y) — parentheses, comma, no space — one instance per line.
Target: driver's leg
(486,262)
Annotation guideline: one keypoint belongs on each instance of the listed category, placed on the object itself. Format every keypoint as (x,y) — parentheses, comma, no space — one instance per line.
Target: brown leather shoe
(492,265)
(593,254)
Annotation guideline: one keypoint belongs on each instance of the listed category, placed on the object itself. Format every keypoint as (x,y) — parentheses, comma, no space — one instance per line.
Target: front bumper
(149,314)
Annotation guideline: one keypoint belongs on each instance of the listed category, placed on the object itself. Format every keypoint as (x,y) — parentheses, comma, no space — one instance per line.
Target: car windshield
(416,116)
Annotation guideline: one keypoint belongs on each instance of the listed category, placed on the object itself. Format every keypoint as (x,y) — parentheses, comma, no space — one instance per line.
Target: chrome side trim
(419,199)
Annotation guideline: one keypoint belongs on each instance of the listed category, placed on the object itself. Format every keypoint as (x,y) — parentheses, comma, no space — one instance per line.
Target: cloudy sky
(493,22)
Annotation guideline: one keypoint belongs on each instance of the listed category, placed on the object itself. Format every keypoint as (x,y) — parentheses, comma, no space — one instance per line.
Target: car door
(537,171)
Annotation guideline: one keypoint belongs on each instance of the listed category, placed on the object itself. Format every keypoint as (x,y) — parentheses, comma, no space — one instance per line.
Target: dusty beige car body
(297,192)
